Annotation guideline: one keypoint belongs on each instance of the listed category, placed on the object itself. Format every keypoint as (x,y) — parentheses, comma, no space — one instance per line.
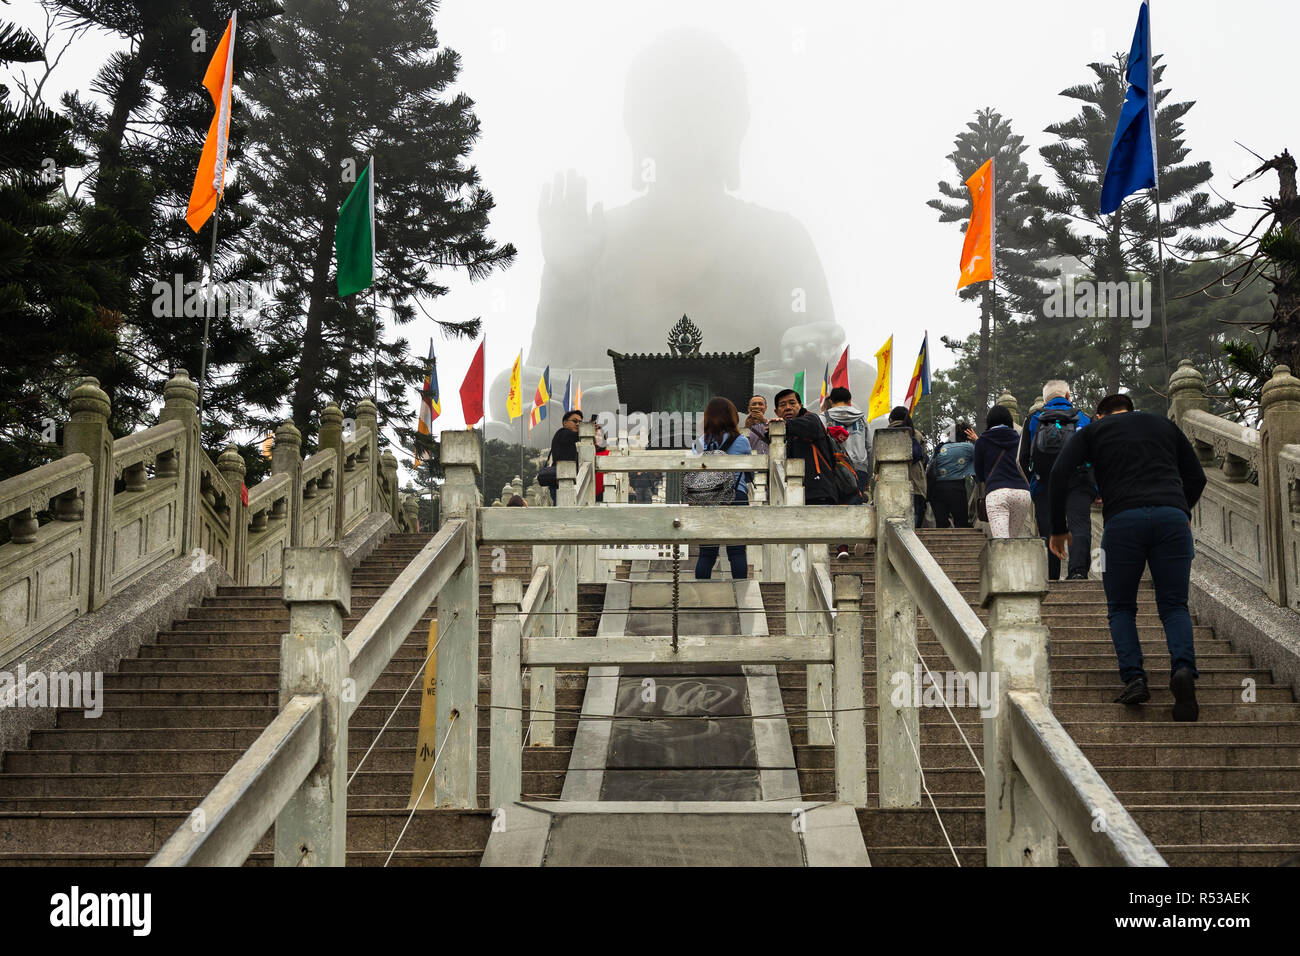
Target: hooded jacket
(1004,441)
(858,445)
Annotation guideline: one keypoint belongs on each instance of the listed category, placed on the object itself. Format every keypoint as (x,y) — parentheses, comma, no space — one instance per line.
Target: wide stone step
(124,832)
(198,784)
(386,757)
(1165,825)
(1067,695)
(943,756)
(1117,778)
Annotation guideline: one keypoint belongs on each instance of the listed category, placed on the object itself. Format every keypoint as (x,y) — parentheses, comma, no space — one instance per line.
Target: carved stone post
(388,464)
(1013,580)
(1186,391)
(312,828)
(455,782)
(286,459)
(87,434)
(411,508)
(232,468)
(898,728)
(1280,406)
(368,418)
(1008,401)
(505,779)
(331,436)
(181,403)
(850,715)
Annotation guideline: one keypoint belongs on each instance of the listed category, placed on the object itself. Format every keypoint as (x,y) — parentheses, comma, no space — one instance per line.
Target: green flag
(354,239)
(798,386)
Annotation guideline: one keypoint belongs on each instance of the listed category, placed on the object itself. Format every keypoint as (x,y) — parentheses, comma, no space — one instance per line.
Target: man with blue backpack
(1044,435)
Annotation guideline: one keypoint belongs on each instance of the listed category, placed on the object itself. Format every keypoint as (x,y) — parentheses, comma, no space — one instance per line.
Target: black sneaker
(1077,577)
(1135,692)
(843,553)
(1183,684)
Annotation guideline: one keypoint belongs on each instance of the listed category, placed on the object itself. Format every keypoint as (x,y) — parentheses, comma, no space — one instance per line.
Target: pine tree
(368,81)
(143,145)
(1018,266)
(60,292)
(1118,247)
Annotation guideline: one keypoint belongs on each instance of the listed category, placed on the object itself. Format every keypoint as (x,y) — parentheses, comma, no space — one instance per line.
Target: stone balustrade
(121,508)
(1248,518)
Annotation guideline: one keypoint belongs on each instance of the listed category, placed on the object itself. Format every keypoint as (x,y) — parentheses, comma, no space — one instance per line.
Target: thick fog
(784,206)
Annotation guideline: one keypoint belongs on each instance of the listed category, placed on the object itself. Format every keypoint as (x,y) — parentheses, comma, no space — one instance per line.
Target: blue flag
(568,394)
(1132,162)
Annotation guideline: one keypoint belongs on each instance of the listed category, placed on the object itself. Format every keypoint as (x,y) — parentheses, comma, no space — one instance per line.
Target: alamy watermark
(240,299)
(1076,298)
(651,429)
(75,690)
(922,688)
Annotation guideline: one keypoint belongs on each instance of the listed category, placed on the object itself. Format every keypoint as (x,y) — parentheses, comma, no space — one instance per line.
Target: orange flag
(977,253)
(210,179)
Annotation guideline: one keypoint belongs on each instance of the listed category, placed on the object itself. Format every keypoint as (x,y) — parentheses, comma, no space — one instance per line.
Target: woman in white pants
(1006,492)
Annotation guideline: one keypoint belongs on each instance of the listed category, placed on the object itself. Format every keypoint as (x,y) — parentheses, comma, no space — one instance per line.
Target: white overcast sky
(854,107)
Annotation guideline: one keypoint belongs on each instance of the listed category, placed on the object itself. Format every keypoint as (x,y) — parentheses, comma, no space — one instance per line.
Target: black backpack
(1055,426)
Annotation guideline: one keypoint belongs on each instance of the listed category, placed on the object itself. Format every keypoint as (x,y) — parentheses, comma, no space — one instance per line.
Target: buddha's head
(686,111)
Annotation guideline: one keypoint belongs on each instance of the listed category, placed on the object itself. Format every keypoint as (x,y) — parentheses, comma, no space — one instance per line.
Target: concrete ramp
(680,764)
(682,732)
(665,833)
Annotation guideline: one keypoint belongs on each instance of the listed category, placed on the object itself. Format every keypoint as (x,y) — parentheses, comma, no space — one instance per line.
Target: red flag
(471,390)
(840,377)
(243,494)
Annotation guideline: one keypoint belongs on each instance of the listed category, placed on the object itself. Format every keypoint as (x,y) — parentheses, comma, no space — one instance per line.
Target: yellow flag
(880,392)
(514,402)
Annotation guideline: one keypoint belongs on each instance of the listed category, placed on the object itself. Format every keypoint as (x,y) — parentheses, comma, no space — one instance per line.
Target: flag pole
(374,307)
(210,304)
(1160,227)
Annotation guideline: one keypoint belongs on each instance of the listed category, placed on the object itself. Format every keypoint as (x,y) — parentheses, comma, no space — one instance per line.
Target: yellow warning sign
(426,743)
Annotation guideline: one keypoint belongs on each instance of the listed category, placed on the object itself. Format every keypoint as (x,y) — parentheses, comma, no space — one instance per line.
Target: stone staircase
(1221,792)
(111,790)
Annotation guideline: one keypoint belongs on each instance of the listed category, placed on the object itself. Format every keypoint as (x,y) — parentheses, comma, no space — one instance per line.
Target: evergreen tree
(1274,334)
(367,81)
(143,134)
(1018,256)
(1123,245)
(61,293)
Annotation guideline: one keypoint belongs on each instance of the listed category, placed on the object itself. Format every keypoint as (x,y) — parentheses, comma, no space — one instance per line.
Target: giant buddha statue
(747,275)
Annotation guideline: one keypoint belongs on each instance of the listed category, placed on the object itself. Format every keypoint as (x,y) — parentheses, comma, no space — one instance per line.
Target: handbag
(981,508)
(546,476)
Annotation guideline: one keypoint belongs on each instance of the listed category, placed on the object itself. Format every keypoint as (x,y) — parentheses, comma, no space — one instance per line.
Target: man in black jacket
(1150,480)
(803,431)
(564,444)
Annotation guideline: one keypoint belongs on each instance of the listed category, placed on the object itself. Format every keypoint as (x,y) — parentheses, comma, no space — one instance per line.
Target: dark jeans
(1078,519)
(1161,538)
(735,554)
(553,489)
(948,501)
(918,505)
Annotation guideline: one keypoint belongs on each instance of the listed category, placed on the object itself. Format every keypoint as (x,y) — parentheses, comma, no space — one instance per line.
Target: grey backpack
(711,487)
